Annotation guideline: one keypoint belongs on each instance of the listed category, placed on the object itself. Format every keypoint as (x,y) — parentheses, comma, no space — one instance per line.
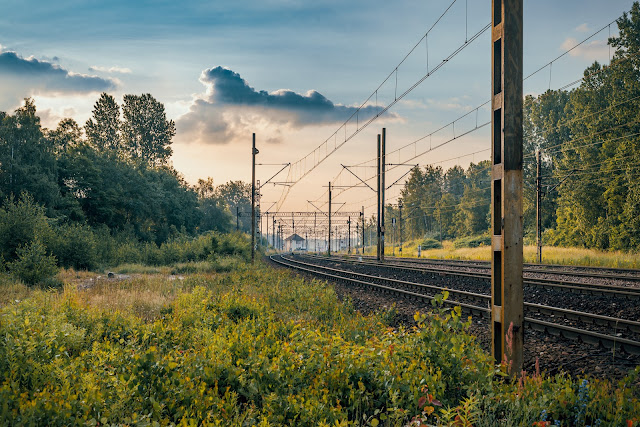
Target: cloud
(116,69)
(593,50)
(582,28)
(230,108)
(23,77)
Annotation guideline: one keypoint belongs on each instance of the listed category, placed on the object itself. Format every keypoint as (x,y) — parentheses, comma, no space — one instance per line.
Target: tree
(213,209)
(67,134)
(146,132)
(473,214)
(237,195)
(598,200)
(103,129)
(545,129)
(454,182)
(27,160)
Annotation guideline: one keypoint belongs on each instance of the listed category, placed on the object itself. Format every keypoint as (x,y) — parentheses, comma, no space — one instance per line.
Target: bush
(472,241)
(429,243)
(74,246)
(33,264)
(21,221)
(263,347)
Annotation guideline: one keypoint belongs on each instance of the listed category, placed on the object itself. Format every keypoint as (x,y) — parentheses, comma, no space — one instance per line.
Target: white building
(294,243)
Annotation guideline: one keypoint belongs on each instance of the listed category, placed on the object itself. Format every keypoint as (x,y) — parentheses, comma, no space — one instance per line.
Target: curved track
(625,337)
(623,274)
(597,288)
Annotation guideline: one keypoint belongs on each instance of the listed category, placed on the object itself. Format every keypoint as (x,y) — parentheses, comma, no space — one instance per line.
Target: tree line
(111,177)
(589,143)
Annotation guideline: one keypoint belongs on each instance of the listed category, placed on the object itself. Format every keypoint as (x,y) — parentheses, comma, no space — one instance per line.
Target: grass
(144,292)
(550,255)
(258,346)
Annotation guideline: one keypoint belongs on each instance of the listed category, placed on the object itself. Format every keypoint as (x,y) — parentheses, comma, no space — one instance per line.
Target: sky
(293,72)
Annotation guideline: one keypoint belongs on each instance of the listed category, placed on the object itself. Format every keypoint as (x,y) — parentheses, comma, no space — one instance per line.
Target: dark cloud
(312,108)
(231,105)
(22,77)
(50,76)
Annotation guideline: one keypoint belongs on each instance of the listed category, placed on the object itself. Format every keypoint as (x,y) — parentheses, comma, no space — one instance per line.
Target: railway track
(618,291)
(625,332)
(623,274)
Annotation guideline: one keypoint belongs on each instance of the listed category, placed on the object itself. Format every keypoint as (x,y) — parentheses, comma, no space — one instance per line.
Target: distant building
(294,243)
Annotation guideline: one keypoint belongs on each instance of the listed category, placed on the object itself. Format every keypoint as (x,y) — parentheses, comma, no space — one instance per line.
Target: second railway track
(607,331)
(594,288)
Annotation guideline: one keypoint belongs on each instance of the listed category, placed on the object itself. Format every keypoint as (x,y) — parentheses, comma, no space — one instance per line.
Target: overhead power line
(303,166)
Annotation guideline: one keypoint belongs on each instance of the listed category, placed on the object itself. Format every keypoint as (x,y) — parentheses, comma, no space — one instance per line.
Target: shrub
(74,246)
(472,241)
(21,221)
(33,264)
(429,243)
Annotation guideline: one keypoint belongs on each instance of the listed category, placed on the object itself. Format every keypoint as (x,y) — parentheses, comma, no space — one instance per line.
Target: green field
(256,346)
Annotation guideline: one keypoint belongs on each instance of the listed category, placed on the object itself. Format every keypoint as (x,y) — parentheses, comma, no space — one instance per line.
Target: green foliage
(472,241)
(237,196)
(75,246)
(146,132)
(589,148)
(33,264)
(429,243)
(259,347)
(256,346)
(27,158)
(103,129)
(21,222)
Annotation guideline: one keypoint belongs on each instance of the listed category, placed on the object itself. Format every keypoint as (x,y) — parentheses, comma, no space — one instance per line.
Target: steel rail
(578,287)
(570,332)
(529,267)
(611,322)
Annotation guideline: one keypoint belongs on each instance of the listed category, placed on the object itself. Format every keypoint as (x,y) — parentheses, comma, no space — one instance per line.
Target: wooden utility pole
(254,151)
(382,185)
(379,228)
(539,209)
(267,221)
(329,245)
(363,242)
(349,235)
(507,311)
(237,218)
(400,219)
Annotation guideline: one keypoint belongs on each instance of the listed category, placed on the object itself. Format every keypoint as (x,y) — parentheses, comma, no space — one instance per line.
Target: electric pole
(363,242)
(237,218)
(507,310)
(254,151)
(539,208)
(382,185)
(349,235)
(329,245)
(400,219)
(379,195)
(393,222)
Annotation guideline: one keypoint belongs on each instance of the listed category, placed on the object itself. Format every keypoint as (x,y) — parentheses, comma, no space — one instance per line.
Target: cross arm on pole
(358,177)
(277,173)
(403,175)
(319,210)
